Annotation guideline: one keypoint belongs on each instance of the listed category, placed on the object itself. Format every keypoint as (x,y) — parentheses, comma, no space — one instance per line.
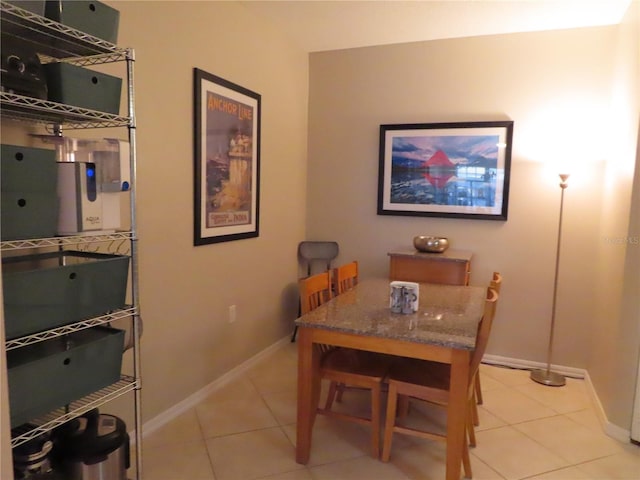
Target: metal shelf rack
(55,42)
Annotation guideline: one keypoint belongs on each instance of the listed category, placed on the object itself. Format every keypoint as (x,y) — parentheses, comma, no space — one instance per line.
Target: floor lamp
(547,377)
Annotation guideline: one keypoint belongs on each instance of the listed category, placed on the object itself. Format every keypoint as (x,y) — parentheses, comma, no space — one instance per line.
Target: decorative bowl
(426,243)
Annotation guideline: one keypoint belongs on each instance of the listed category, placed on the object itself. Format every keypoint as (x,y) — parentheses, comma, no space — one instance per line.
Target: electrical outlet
(232,313)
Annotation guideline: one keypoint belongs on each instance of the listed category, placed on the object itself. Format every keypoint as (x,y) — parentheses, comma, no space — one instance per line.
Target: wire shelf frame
(35,110)
(66,329)
(64,241)
(79,407)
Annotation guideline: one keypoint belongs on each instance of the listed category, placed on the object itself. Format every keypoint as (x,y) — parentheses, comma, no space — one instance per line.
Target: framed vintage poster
(445,170)
(227,160)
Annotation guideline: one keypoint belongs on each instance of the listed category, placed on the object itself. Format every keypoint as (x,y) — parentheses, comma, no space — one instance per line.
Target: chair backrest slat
(345,277)
(314,291)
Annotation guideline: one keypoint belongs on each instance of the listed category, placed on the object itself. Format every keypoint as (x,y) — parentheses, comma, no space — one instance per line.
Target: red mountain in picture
(440,169)
(439,159)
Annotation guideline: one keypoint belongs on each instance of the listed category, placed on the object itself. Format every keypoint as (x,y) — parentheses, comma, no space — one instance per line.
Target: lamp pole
(547,377)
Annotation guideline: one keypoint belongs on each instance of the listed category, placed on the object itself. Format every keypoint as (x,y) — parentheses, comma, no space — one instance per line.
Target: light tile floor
(246,430)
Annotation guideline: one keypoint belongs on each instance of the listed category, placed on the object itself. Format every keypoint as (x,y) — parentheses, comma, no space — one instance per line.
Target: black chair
(310,253)
(315,257)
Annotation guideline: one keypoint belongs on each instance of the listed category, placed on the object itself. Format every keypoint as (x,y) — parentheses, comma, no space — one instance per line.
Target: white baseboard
(531,365)
(192,400)
(165,417)
(609,428)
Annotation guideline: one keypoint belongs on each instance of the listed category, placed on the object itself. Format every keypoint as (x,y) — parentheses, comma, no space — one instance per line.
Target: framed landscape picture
(227,160)
(445,169)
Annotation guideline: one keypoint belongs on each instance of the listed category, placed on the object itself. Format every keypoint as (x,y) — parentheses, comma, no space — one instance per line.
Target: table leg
(308,393)
(457,412)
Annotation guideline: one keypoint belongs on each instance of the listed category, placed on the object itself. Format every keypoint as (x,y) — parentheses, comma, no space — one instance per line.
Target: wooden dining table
(443,330)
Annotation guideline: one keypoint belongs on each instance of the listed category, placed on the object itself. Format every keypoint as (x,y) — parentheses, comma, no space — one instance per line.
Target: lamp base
(547,377)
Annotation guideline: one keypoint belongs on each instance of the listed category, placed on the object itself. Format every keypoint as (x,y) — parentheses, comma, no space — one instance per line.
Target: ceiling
(335,25)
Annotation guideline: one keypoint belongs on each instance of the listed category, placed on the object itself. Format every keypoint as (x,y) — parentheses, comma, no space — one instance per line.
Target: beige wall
(556,86)
(616,325)
(185,290)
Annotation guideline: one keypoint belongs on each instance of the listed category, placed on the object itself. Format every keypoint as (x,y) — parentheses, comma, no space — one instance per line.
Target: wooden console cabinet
(452,267)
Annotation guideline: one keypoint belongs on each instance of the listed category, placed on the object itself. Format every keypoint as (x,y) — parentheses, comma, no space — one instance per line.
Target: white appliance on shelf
(92,174)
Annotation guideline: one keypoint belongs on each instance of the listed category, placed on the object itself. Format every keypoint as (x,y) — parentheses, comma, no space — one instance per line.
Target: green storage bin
(28,215)
(48,375)
(83,87)
(94,18)
(33,6)
(48,290)
(28,179)
(27,169)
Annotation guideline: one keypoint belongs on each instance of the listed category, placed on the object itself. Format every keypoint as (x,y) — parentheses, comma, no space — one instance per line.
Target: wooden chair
(345,277)
(345,366)
(430,382)
(496,283)
(314,253)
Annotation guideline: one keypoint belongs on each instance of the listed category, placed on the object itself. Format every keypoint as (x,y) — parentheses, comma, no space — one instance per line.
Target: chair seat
(357,362)
(431,378)
(421,372)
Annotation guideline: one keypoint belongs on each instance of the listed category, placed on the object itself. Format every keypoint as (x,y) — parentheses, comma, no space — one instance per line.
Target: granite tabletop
(447,315)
